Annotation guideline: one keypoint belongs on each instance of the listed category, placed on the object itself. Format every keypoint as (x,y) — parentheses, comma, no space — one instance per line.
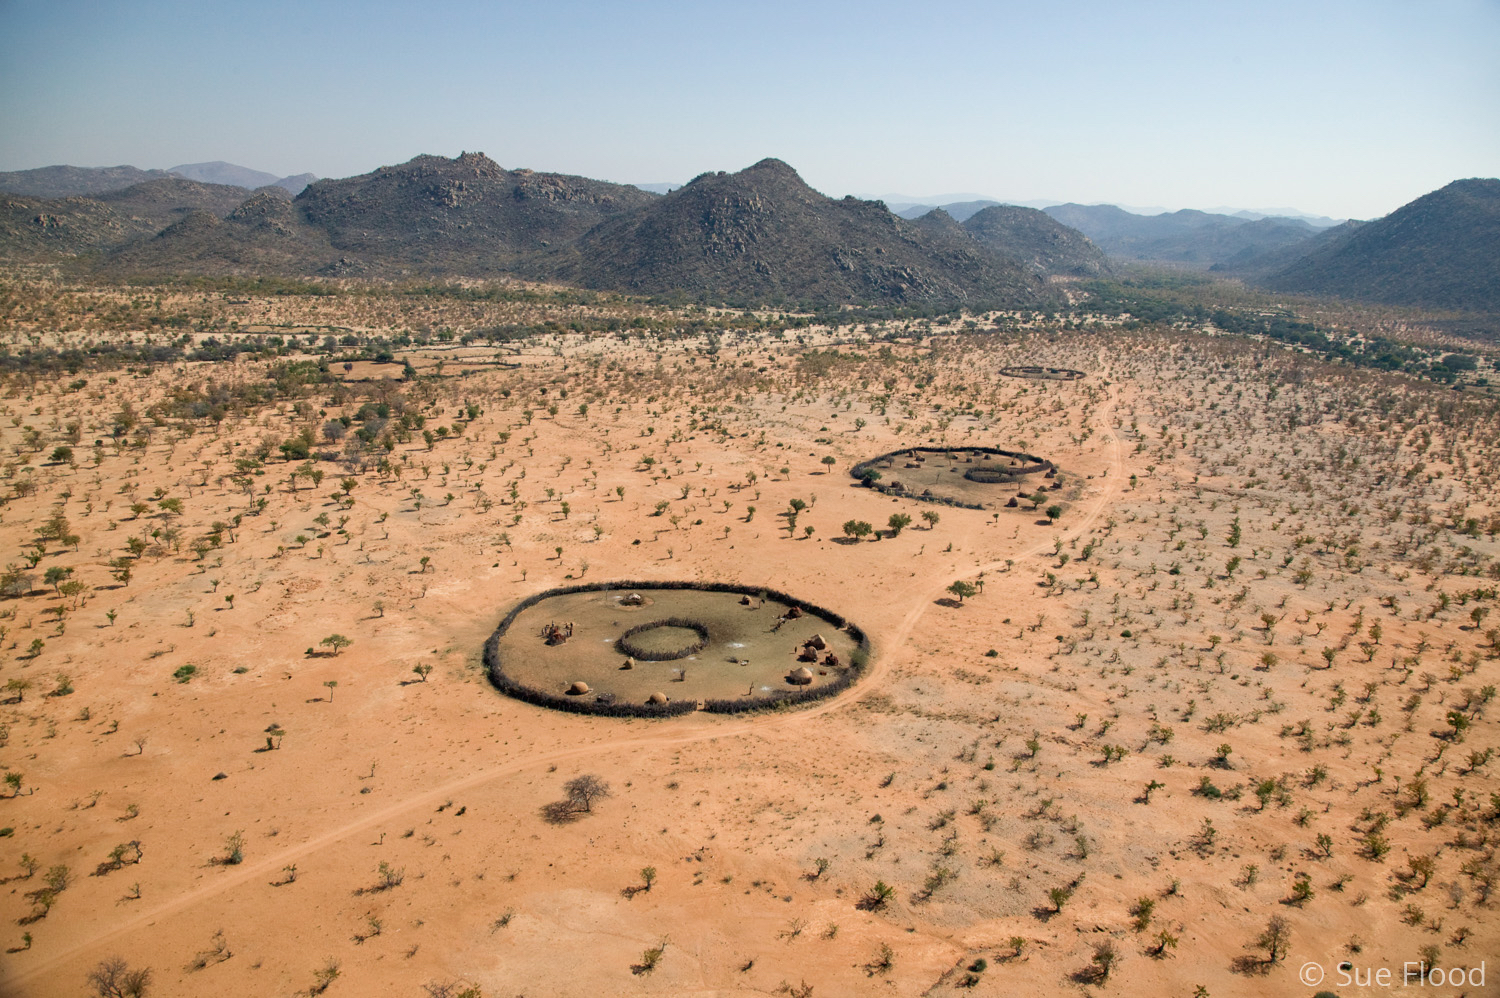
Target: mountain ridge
(1187,237)
(53,182)
(1410,257)
(220,172)
(762,234)
(759,235)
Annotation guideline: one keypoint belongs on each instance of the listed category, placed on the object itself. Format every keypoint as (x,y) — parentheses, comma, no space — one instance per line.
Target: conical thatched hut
(629,663)
(578,689)
(657,698)
(807,654)
(800,677)
(816,641)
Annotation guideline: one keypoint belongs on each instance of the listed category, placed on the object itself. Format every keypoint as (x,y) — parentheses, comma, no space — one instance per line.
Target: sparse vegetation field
(1221,705)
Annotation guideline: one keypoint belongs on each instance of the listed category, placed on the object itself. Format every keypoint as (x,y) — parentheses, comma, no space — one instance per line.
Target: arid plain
(1231,713)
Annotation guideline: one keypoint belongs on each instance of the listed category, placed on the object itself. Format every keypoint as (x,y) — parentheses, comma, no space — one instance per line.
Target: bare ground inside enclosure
(971,477)
(250,745)
(749,654)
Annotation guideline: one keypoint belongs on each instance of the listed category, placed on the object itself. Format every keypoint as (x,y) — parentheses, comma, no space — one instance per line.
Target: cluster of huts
(814,651)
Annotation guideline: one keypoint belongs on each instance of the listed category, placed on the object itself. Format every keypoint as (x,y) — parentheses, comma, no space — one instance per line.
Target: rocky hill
(1037,241)
(1440,251)
(48,227)
(158,203)
(266,234)
(433,214)
(1254,265)
(56,228)
(763,235)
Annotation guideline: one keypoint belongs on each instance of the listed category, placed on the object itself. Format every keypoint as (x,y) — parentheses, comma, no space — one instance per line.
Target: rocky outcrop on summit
(433,213)
(763,235)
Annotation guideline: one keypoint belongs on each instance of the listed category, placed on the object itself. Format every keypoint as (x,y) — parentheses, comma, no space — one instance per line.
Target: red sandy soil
(920,776)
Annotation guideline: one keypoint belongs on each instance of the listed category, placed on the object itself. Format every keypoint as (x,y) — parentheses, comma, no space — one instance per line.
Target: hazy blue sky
(1344,108)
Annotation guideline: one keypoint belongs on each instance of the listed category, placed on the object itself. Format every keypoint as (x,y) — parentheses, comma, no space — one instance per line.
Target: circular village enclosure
(972,477)
(658,649)
(1042,373)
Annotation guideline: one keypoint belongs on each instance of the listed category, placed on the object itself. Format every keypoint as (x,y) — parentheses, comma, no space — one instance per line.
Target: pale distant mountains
(74,181)
(1197,239)
(219,172)
(83,181)
(1189,238)
(757,236)
(961,206)
(959,211)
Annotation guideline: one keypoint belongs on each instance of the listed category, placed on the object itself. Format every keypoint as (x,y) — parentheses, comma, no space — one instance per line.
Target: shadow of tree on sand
(561,812)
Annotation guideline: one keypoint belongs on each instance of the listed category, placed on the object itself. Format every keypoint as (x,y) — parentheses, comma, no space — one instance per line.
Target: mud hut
(578,689)
(800,677)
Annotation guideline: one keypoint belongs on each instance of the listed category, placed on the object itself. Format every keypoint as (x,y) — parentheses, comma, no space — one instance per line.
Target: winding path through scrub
(887,654)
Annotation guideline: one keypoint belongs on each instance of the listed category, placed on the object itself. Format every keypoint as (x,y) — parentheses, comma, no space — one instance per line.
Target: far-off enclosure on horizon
(756,649)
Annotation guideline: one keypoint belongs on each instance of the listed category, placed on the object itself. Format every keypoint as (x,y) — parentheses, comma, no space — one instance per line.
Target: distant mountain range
(82,181)
(757,236)
(1237,242)
(74,181)
(961,206)
(1187,237)
(959,211)
(219,172)
(760,235)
